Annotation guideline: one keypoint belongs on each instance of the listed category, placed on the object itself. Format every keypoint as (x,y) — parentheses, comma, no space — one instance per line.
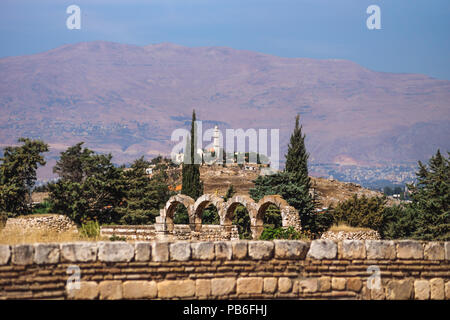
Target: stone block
(223,286)
(338,283)
(437,289)
(88,291)
(142,251)
(421,290)
(434,251)
(176,289)
(202,250)
(260,250)
(447,250)
(160,251)
(223,250)
(240,249)
(203,287)
(79,252)
(22,254)
(46,253)
(322,249)
(447,290)
(284,285)
(377,294)
(409,249)
(290,249)
(308,285)
(139,289)
(180,251)
(5,254)
(353,249)
(324,284)
(354,284)
(115,252)
(399,289)
(110,290)
(380,250)
(270,285)
(250,285)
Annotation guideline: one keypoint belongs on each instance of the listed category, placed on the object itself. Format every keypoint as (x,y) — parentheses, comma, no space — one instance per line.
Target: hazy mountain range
(128,99)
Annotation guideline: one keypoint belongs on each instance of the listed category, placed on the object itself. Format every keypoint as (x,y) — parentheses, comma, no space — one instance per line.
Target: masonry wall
(321,269)
(208,232)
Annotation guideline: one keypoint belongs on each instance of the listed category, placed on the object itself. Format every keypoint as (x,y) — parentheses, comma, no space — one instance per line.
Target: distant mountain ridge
(128,99)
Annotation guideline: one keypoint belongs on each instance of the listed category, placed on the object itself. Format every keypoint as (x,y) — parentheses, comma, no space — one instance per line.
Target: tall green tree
(96,196)
(18,175)
(431,199)
(294,184)
(144,196)
(191,183)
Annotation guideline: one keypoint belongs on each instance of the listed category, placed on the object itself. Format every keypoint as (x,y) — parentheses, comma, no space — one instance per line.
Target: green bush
(360,212)
(289,233)
(44,207)
(117,238)
(90,229)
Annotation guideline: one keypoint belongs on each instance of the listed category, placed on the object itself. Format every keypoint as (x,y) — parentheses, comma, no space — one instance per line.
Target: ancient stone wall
(280,269)
(180,232)
(47,222)
(164,226)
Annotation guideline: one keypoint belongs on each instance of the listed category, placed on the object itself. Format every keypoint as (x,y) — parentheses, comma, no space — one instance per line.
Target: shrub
(90,229)
(270,233)
(117,238)
(360,212)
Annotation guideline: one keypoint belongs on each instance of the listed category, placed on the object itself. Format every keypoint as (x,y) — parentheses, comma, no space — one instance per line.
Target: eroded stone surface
(409,249)
(421,290)
(22,254)
(353,249)
(260,250)
(400,289)
(380,249)
(142,251)
(322,249)
(46,253)
(203,251)
(139,289)
(250,285)
(79,251)
(5,254)
(115,251)
(290,249)
(223,286)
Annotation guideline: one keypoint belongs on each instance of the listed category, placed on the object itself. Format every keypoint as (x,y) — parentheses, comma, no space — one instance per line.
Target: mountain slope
(128,99)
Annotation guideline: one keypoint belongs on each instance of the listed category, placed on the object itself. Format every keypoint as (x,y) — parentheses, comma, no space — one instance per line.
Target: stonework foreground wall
(280,269)
(208,232)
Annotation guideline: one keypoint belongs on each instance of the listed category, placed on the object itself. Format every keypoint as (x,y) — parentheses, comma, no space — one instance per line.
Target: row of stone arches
(225,210)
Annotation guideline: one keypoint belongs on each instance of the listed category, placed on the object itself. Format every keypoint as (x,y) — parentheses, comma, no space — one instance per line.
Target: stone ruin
(164,226)
(46,222)
(165,229)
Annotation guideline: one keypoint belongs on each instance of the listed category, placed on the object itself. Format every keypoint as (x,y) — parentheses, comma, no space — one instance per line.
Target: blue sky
(414,35)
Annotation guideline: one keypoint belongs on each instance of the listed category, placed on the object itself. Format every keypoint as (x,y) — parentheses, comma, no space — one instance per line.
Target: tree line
(91,188)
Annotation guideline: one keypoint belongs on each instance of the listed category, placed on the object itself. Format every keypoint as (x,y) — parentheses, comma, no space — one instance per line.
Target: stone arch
(289,215)
(169,210)
(230,206)
(201,203)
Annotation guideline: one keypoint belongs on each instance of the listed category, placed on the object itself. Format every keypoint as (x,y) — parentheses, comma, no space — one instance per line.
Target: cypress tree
(297,170)
(297,157)
(191,184)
